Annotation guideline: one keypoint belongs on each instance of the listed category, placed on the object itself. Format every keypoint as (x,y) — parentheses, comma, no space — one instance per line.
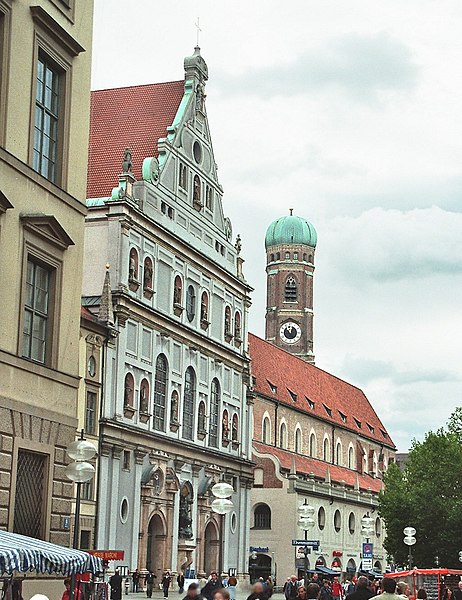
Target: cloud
(389,245)
(361,65)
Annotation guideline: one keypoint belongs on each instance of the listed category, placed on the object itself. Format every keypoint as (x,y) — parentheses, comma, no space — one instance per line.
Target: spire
(106,312)
(291,210)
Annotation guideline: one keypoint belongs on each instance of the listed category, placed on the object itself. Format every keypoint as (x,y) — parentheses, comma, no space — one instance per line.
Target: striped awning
(19,553)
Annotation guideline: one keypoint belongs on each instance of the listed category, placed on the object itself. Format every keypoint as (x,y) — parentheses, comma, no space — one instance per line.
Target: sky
(349,112)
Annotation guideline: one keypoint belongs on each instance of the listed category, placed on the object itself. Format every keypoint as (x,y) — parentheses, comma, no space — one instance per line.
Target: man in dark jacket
(363,592)
(211,586)
(180,582)
(116,586)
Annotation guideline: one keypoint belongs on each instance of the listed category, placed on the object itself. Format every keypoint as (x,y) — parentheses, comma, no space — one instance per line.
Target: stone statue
(185,521)
(238,244)
(143,399)
(177,295)
(227,321)
(204,309)
(128,392)
(197,190)
(174,407)
(127,162)
(225,426)
(234,430)
(147,275)
(132,268)
(200,96)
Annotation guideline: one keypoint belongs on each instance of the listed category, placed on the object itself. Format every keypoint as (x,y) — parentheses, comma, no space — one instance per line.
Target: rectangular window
(46,120)
(36,312)
(86,491)
(126,463)
(90,413)
(31,485)
(85,535)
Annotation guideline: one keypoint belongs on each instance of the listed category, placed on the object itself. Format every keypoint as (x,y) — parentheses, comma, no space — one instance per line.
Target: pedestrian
(458,591)
(337,589)
(193,592)
(301,592)
(448,593)
(149,583)
(66,593)
(258,592)
(421,594)
(116,586)
(221,594)
(269,586)
(290,589)
(312,591)
(166,581)
(403,590)
(211,586)
(389,590)
(326,590)
(136,580)
(363,591)
(180,582)
(232,585)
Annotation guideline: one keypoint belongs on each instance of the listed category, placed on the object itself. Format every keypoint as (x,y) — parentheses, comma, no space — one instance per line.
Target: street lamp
(222,505)
(460,556)
(409,540)
(79,471)
(367,527)
(253,566)
(305,522)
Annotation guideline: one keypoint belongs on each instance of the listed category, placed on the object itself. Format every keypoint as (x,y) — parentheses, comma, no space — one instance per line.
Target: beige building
(45,51)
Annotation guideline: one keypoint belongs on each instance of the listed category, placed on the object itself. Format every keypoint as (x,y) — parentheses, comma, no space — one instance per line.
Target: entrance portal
(211,548)
(260,567)
(156,546)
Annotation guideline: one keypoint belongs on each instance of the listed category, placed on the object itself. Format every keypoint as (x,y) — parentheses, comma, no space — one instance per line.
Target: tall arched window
(283,435)
(129,390)
(190,303)
(338,453)
(262,517)
(204,309)
(214,412)
(266,431)
(313,445)
(290,290)
(189,397)
(144,396)
(351,458)
(326,450)
(160,392)
(201,419)
(298,440)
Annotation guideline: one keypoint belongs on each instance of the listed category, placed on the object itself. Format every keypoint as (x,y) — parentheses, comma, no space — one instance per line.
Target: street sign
(368,551)
(305,543)
(366,564)
(107,554)
(300,551)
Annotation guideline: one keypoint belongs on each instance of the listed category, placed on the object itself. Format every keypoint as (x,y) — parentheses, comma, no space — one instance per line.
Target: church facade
(174,414)
(316,438)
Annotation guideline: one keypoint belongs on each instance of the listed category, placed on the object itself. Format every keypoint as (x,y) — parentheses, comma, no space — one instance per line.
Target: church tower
(290,247)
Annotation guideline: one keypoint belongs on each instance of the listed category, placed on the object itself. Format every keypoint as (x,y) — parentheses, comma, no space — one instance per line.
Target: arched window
(235,428)
(144,396)
(298,440)
(201,418)
(290,290)
(214,412)
(189,397)
(174,407)
(351,458)
(190,303)
(129,390)
(313,445)
(287,255)
(178,291)
(266,431)
(337,520)
(225,427)
(278,256)
(321,518)
(351,523)
(262,517)
(237,325)
(338,453)
(133,265)
(326,450)
(378,527)
(272,258)
(148,271)
(160,393)
(228,333)
(204,309)
(283,435)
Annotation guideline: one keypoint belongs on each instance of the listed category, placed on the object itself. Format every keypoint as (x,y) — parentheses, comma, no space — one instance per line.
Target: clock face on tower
(290,332)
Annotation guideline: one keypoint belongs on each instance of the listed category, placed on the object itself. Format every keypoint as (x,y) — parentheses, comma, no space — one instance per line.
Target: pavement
(241,594)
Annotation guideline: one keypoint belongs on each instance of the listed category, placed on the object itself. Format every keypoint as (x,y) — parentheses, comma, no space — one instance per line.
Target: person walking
(166,581)
(232,585)
(291,587)
(180,582)
(363,591)
(326,591)
(116,586)
(388,590)
(136,580)
(211,586)
(149,583)
(337,589)
(193,592)
(458,591)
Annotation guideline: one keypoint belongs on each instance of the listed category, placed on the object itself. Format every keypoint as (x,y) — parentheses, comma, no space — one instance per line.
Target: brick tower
(290,247)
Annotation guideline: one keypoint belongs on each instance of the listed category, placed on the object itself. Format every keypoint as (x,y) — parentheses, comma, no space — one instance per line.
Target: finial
(198,32)
(108,266)
(291,210)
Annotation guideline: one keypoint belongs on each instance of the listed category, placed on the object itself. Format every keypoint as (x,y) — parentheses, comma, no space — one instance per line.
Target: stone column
(105,495)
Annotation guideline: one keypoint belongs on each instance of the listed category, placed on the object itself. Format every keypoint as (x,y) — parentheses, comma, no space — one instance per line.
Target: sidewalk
(174,595)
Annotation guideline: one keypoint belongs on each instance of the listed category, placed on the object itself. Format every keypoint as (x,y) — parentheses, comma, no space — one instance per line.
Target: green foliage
(455,423)
(426,495)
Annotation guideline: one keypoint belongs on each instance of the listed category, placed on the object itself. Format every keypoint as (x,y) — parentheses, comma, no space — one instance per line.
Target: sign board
(368,550)
(262,549)
(107,554)
(312,543)
(366,564)
(190,574)
(300,551)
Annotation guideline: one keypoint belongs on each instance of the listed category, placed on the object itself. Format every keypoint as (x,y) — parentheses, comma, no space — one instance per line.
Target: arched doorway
(351,567)
(259,567)
(156,546)
(211,548)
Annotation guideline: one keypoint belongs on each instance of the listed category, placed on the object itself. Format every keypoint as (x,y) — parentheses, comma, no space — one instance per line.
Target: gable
(48,228)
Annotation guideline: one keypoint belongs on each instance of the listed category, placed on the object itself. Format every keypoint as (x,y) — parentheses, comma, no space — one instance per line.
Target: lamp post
(409,540)
(305,522)
(79,471)
(253,566)
(222,505)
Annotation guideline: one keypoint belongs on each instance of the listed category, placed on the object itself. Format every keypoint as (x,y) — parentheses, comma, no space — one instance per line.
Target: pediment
(49,228)
(5,204)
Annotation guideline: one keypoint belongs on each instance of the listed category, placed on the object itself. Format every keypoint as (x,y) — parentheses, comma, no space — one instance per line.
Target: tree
(455,423)
(426,495)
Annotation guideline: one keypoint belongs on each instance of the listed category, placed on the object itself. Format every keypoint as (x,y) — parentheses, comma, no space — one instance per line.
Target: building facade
(175,416)
(316,438)
(45,53)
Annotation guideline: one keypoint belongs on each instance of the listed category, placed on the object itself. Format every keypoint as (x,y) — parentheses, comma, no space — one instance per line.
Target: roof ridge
(126,87)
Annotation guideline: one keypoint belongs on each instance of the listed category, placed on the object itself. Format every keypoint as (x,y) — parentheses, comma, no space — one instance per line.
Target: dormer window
(310,402)
(342,416)
(273,388)
(370,427)
(358,422)
(328,410)
(293,395)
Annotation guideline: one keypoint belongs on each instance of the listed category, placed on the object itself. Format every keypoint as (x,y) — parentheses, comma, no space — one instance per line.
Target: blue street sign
(368,550)
(305,543)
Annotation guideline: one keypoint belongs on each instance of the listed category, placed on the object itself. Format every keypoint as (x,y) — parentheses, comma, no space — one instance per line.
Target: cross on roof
(198,31)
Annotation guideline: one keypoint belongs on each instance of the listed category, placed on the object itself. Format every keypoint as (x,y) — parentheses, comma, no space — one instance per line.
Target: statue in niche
(177,294)
(234,434)
(128,390)
(132,267)
(127,162)
(204,309)
(200,96)
(147,275)
(228,228)
(174,408)
(197,190)
(228,322)
(225,426)
(238,244)
(185,520)
(144,399)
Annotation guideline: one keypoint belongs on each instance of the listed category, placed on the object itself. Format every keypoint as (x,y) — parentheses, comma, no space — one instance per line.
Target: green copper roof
(291,230)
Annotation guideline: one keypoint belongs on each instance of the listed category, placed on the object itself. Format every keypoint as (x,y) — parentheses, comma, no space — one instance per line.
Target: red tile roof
(292,381)
(134,117)
(307,465)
